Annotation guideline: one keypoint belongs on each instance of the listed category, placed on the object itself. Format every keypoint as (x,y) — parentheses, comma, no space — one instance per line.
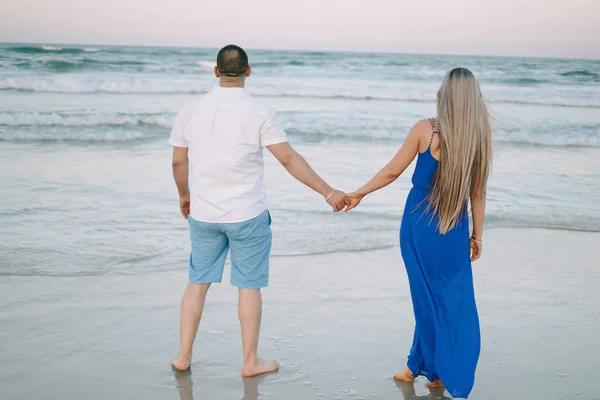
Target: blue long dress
(446,341)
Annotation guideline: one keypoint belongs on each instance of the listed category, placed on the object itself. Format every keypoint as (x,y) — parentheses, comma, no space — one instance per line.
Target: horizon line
(299,50)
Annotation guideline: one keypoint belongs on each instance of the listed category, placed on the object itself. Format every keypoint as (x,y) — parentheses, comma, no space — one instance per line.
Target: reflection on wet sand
(184,384)
(186,392)
(251,386)
(408,392)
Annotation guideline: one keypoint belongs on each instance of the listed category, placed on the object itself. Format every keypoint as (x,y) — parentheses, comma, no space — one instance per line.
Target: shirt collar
(228,90)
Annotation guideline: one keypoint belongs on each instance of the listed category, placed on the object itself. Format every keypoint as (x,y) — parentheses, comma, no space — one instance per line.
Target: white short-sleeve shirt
(225,131)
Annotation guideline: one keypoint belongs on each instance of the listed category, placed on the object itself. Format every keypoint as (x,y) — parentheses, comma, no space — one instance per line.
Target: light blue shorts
(250,244)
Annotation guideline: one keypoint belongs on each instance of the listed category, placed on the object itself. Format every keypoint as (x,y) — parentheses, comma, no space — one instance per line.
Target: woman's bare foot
(405,376)
(260,367)
(436,384)
(182,363)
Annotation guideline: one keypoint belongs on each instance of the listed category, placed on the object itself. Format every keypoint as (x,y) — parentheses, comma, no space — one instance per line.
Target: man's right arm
(297,166)
(180,161)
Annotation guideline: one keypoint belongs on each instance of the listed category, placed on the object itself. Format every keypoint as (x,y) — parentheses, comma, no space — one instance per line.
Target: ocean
(86,186)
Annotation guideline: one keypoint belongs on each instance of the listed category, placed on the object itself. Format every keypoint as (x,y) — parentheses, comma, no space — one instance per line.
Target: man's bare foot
(261,367)
(182,363)
(436,384)
(405,376)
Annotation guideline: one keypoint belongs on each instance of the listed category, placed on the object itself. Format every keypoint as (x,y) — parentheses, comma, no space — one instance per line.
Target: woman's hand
(476,248)
(352,200)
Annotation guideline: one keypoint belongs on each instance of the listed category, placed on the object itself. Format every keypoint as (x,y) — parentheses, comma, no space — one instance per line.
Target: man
(218,145)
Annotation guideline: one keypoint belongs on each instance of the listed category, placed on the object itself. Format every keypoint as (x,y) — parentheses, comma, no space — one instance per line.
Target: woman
(454,159)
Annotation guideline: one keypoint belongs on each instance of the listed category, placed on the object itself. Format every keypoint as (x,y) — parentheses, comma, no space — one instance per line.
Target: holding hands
(338,200)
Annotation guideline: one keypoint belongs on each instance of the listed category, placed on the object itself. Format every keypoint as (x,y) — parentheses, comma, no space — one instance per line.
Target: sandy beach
(340,324)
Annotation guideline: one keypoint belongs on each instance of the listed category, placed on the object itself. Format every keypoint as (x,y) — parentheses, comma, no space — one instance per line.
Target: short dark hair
(232,61)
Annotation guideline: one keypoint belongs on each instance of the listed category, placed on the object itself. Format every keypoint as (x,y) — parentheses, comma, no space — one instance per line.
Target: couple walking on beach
(218,143)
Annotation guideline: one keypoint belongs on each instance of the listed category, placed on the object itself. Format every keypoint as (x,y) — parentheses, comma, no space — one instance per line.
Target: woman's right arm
(478,213)
(392,170)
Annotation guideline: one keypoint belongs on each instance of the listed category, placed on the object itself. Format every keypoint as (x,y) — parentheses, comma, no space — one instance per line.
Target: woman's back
(427,163)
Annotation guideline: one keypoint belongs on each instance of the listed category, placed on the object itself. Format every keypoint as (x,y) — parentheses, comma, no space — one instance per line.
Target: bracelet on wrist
(473,238)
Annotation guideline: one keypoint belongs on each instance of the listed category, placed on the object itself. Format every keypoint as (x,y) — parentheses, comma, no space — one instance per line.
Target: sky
(543,28)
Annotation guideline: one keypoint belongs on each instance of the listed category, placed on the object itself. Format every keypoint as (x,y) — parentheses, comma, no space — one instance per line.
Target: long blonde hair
(465,144)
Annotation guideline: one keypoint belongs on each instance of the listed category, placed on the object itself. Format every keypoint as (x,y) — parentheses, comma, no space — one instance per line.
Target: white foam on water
(112,136)
(206,65)
(86,84)
(190,84)
(56,119)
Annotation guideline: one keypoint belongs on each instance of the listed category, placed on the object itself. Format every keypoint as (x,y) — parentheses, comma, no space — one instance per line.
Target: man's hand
(184,205)
(336,200)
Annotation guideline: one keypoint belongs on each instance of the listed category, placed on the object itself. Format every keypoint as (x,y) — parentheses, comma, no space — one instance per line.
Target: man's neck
(232,84)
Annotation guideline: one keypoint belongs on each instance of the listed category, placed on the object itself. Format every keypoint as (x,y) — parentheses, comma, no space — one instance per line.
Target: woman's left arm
(391,171)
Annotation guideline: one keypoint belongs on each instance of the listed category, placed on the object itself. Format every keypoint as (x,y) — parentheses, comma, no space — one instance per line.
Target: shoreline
(381,248)
(340,324)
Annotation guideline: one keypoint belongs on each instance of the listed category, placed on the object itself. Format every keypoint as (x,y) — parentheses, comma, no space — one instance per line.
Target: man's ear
(217,72)
(248,71)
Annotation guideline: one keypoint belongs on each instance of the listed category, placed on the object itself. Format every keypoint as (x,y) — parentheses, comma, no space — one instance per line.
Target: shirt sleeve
(177,137)
(272,132)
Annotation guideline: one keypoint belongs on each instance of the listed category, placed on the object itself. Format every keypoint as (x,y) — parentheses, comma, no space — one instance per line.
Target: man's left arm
(273,137)
(299,168)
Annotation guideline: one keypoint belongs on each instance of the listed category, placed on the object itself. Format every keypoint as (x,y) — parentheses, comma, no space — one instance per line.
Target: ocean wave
(73,137)
(316,136)
(110,120)
(549,141)
(583,139)
(581,73)
(397,63)
(164,86)
(44,49)
(206,65)
(59,66)
(571,136)
(153,68)
(92,50)
(526,81)
(68,85)
(570,103)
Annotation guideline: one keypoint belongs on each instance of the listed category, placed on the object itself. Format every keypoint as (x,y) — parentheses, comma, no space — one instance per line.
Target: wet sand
(340,324)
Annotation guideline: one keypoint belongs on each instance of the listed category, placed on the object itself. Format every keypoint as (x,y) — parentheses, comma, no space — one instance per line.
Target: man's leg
(209,251)
(250,243)
(192,305)
(250,313)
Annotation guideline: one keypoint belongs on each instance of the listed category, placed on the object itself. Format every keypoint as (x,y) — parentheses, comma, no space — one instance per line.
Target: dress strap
(433,130)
